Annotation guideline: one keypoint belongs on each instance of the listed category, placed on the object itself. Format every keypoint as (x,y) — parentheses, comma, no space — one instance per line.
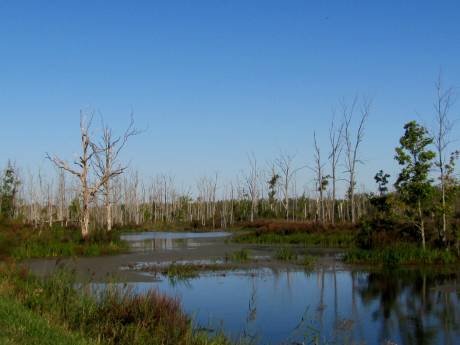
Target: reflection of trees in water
(422,306)
(250,333)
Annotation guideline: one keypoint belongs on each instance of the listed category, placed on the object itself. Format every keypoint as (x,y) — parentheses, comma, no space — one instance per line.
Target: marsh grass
(115,316)
(331,240)
(238,256)
(403,254)
(285,254)
(308,261)
(22,242)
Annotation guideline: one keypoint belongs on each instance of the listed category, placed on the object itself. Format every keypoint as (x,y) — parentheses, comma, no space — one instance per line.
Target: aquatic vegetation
(113,316)
(400,255)
(238,256)
(285,254)
(333,240)
(308,260)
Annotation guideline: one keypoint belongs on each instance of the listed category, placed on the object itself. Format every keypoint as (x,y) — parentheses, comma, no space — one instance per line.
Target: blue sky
(214,80)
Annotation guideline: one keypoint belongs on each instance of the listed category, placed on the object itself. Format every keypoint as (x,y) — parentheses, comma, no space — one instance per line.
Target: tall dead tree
(336,147)
(284,164)
(441,139)
(252,183)
(107,162)
(321,178)
(352,142)
(88,188)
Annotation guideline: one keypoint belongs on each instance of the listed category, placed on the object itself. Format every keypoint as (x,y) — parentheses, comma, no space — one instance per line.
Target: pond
(344,307)
(270,303)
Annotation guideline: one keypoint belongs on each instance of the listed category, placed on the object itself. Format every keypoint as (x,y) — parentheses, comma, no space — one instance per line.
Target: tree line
(99,191)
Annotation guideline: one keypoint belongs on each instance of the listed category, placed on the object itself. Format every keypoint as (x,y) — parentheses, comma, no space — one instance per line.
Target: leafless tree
(252,183)
(352,142)
(321,178)
(107,161)
(445,98)
(284,164)
(88,188)
(336,147)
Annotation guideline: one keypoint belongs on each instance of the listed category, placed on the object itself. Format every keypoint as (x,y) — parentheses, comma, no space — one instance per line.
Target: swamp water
(269,304)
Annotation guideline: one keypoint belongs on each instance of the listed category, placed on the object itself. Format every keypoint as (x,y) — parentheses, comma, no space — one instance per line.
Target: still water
(325,305)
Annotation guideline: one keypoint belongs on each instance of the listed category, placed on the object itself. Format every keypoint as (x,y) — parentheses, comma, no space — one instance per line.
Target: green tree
(413,183)
(381,201)
(8,191)
(381,179)
(272,188)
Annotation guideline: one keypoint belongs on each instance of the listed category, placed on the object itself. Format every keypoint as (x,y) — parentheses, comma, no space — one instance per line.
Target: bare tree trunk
(352,143)
(441,135)
(336,144)
(252,180)
(422,224)
(90,157)
(284,164)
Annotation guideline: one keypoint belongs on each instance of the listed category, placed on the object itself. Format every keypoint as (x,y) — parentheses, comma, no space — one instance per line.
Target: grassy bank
(401,254)
(21,326)
(54,309)
(22,242)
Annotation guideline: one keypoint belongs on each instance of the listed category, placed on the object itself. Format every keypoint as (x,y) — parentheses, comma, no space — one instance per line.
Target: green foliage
(238,256)
(308,260)
(272,186)
(22,242)
(381,179)
(74,208)
(413,183)
(181,271)
(8,192)
(322,185)
(285,254)
(403,254)
(19,325)
(342,239)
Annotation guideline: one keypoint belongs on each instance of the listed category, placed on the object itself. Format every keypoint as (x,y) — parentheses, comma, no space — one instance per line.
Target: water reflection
(152,241)
(325,306)
(422,307)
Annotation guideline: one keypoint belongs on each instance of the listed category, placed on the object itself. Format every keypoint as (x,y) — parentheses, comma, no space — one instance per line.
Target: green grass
(400,255)
(328,239)
(23,242)
(181,271)
(238,256)
(308,260)
(40,249)
(20,326)
(285,254)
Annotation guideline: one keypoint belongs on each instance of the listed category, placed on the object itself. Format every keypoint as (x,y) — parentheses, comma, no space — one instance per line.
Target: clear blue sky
(214,80)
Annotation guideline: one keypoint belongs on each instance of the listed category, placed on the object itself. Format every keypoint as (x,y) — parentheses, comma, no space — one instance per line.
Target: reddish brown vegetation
(285,227)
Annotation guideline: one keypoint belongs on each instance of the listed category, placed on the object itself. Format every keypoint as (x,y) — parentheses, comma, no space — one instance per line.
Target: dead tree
(321,178)
(441,135)
(88,188)
(252,183)
(352,143)
(107,163)
(284,164)
(336,147)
